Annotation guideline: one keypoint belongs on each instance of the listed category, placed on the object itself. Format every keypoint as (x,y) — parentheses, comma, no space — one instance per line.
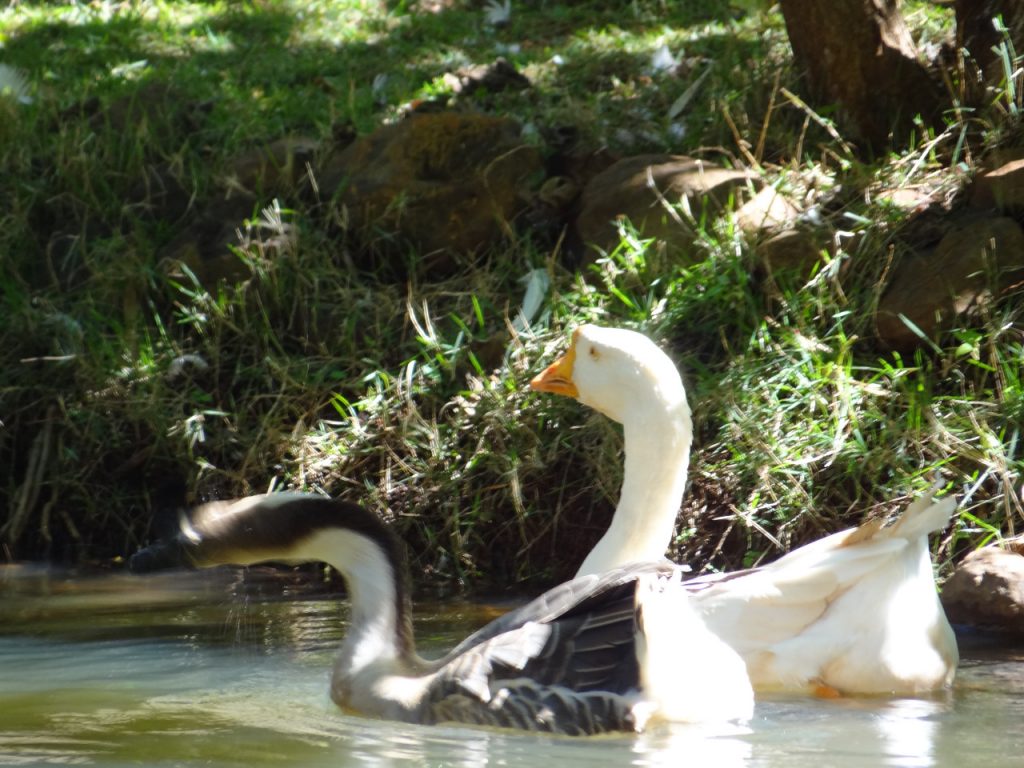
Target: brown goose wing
(565,663)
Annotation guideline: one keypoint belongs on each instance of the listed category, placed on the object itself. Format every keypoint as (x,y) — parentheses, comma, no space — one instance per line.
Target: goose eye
(594,354)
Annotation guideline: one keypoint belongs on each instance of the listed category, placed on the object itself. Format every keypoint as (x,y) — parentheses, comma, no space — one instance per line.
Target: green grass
(129,386)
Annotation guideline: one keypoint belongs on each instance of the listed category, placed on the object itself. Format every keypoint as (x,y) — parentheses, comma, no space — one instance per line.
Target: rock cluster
(977,260)
(450,184)
(964,261)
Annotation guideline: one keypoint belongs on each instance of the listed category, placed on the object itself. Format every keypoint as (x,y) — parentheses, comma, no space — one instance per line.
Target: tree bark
(859,56)
(976,33)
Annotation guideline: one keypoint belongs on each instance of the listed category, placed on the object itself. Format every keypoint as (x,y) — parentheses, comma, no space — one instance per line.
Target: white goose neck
(370,637)
(657,448)
(377,616)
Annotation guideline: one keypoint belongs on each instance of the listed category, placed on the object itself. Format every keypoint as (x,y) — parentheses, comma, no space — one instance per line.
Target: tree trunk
(976,33)
(858,55)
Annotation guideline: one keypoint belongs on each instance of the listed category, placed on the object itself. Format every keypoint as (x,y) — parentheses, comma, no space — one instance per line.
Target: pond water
(230,668)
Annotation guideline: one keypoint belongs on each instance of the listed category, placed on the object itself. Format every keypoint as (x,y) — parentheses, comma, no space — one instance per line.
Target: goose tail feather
(925,515)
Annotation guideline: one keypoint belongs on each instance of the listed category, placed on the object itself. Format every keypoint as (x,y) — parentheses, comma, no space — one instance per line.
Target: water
(228,668)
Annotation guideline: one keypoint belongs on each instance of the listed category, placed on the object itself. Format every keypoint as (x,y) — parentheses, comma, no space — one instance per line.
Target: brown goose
(593,655)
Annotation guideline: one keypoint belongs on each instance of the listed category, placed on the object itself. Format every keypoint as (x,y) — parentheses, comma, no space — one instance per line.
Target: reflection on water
(230,669)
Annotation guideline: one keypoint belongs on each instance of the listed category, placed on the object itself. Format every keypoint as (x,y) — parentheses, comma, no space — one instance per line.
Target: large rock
(769,220)
(155,114)
(490,78)
(792,250)
(639,189)
(987,590)
(1001,188)
(204,244)
(447,183)
(271,170)
(972,263)
(766,212)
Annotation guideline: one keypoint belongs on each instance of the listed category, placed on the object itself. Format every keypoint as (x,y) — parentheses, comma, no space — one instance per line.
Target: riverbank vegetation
(133,382)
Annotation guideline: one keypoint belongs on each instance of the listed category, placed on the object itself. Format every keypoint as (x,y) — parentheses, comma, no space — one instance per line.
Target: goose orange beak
(557,377)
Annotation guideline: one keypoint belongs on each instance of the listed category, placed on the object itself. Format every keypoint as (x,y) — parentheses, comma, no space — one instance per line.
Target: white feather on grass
(497,13)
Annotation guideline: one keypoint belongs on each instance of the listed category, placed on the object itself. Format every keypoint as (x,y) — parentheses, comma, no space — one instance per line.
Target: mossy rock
(644,188)
(447,184)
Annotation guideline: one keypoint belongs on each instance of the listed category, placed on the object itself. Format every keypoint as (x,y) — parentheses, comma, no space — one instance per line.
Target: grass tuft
(135,382)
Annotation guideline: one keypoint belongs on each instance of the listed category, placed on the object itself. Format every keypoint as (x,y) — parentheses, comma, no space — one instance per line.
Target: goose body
(856,612)
(576,660)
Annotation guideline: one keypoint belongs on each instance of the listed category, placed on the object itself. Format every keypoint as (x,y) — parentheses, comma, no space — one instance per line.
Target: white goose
(856,612)
(597,654)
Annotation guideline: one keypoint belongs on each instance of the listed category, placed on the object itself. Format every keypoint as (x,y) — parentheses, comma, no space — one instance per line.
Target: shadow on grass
(125,94)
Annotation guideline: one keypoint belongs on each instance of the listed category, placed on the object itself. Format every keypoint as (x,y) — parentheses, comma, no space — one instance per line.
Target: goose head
(618,372)
(625,376)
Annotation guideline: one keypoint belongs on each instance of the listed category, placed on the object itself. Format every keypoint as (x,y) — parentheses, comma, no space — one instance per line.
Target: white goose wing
(755,608)
(857,609)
